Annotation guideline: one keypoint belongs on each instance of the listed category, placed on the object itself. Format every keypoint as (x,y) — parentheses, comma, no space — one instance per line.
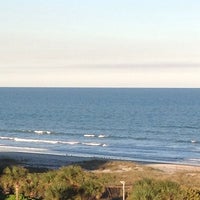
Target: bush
(148,189)
(12,197)
(66,183)
(13,176)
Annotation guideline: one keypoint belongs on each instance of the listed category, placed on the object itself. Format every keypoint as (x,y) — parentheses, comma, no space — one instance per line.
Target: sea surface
(156,125)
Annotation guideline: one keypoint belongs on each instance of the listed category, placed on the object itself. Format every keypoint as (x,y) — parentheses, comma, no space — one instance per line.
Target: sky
(99,43)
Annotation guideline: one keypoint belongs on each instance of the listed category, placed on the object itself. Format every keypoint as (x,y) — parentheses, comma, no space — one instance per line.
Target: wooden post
(123,188)
(17,191)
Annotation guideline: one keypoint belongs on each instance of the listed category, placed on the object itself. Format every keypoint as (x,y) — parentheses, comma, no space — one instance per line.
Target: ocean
(153,125)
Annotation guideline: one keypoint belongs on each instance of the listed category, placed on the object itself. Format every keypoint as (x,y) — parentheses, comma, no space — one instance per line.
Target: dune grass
(93,178)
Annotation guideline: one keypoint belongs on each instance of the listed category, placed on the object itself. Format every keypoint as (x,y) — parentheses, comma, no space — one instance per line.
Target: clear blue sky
(100,43)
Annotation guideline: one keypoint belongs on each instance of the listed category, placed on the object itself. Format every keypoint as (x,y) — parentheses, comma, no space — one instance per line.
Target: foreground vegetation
(162,190)
(66,183)
(100,182)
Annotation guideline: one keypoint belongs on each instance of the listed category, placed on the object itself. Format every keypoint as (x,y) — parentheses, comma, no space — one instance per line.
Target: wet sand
(48,161)
(35,160)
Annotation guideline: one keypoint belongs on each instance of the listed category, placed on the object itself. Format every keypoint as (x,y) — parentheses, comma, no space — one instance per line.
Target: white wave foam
(91,144)
(93,135)
(194,141)
(101,136)
(37,141)
(42,132)
(27,131)
(71,143)
(195,160)
(26,140)
(6,138)
(94,144)
(89,135)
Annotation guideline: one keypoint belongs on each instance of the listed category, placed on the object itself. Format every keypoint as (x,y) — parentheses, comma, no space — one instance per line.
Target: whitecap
(70,142)
(92,144)
(40,132)
(101,136)
(89,135)
(6,138)
(36,141)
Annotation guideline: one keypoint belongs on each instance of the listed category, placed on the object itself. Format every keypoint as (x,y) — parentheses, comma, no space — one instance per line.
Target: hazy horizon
(115,43)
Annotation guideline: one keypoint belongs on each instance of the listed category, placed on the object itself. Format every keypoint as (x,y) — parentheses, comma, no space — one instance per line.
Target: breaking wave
(26,140)
(89,135)
(93,144)
(93,135)
(40,132)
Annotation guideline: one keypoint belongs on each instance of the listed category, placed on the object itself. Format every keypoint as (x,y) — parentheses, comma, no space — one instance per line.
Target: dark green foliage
(73,183)
(12,197)
(63,184)
(2,195)
(12,176)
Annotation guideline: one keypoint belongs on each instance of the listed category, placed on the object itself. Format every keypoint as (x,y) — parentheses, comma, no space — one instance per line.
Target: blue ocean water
(158,125)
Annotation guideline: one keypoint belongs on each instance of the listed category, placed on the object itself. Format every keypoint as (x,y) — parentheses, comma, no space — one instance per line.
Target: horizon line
(90,87)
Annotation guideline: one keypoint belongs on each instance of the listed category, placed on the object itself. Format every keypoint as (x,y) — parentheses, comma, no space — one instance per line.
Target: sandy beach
(49,161)
(172,168)
(35,160)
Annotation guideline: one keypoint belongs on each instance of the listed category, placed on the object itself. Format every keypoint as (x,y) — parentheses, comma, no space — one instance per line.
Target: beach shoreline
(49,161)
(38,160)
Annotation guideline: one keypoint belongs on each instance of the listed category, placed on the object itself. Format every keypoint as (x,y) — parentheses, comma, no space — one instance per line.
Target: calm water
(135,124)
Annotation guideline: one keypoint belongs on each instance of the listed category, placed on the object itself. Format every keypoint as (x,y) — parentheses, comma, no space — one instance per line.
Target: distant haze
(107,43)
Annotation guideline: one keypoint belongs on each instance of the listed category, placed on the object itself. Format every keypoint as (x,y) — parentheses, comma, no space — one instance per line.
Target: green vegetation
(149,189)
(13,197)
(66,183)
(102,182)
(155,190)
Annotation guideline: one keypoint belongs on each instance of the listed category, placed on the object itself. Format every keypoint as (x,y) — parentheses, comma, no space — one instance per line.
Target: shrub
(12,197)
(12,176)
(193,194)
(148,189)
(64,184)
